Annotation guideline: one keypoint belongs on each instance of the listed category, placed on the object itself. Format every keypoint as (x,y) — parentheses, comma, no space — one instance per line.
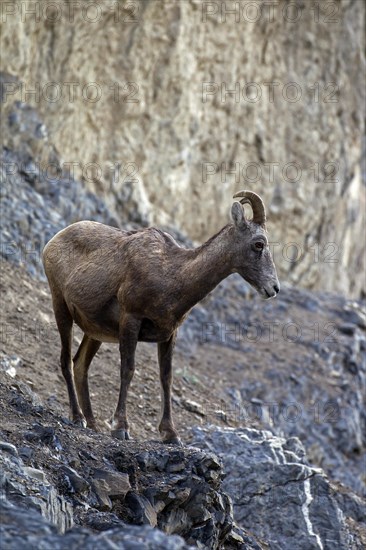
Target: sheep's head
(253,259)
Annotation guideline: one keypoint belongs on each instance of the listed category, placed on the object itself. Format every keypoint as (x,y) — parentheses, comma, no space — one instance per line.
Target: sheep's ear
(237,213)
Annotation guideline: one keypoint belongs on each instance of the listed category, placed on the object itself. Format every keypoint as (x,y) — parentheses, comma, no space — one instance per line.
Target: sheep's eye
(259,245)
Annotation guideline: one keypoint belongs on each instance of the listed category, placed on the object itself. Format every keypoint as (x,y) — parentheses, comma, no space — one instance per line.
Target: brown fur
(125,287)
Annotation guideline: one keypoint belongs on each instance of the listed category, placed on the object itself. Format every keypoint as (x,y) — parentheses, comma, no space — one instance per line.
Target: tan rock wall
(143,85)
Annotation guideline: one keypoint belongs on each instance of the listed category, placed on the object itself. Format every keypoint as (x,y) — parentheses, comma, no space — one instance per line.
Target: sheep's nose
(277,287)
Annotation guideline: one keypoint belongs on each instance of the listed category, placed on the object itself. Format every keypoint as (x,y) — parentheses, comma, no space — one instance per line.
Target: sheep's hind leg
(82,360)
(166,427)
(64,322)
(129,331)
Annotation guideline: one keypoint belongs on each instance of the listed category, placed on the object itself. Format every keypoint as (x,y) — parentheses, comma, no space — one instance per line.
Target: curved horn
(259,212)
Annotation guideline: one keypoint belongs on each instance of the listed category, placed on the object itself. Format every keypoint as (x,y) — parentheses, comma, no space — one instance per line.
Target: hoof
(92,426)
(120,434)
(81,422)
(173,441)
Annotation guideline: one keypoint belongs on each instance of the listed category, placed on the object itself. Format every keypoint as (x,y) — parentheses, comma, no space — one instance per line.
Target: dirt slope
(294,365)
(28,331)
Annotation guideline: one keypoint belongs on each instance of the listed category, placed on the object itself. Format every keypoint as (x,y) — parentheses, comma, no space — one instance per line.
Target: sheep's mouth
(261,289)
(267,295)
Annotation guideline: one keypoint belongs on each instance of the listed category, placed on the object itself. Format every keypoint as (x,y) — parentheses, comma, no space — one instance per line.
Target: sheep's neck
(206,267)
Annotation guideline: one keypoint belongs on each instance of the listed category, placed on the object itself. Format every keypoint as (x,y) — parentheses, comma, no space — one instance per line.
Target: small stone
(85,455)
(36,474)
(347,328)
(45,434)
(117,484)
(78,484)
(351,316)
(25,452)
(10,364)
(140,509)
(151,461)
(192,406)
(102,521)
(8,448)
(173,467)
(100,488)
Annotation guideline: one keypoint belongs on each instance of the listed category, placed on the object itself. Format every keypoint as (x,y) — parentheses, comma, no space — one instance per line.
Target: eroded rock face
(29,488)
(140,495)
(177,492)
(20,524)
(274,490)
(312,386)
(145,115)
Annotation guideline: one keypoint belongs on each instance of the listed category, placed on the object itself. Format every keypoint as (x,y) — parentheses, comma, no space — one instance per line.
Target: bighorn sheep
(129,286)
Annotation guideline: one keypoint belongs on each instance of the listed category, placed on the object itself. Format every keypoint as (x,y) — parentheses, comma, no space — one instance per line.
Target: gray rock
(317,395)
(152,485)
(20,527)
(140,510)
(29,488)
(100,489)
(36,474)
(75,481)
(45,435)
(8,448)
(108,485)
(275,493)
(347,328)
(25,453)
(353,315)
(117,484)
(177,489)
(10,364)
(32,207)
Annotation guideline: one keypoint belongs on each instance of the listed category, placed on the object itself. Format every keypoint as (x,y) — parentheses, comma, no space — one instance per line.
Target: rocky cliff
(94,492)
(166,107)
(253,378)
(121,112)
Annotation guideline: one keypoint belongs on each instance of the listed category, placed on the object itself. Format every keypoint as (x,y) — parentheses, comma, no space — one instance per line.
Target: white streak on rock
(305,510)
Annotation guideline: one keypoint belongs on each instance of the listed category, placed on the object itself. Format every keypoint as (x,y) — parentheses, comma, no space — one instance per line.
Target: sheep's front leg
(128,336)
(166,427)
